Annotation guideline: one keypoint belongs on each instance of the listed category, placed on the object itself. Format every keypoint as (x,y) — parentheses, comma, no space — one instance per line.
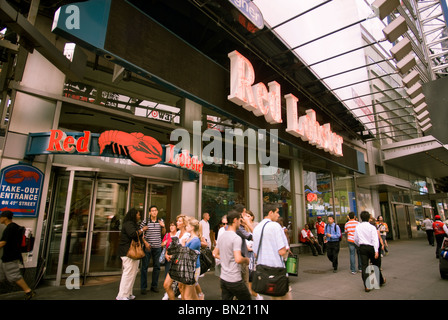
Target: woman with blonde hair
(194,243)
(182,235)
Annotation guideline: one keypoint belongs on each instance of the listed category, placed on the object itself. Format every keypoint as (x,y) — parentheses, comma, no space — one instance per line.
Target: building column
(33,113)
(191,191)
(297,194)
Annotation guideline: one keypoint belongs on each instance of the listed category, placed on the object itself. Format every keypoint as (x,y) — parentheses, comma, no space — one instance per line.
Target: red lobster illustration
(17,176)
(141,149)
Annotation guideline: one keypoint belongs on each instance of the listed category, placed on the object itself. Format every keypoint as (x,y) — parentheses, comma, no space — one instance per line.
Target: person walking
(228,251)
(274,248)
(204,229)
(440,232)
(307,237)
(181,235)
(166,243)
(153,235)
(366,238)
(190,292)
(349,228)
(333,238)
(383,228)
(129,231)
(320,231)
(11,258)
(427,226)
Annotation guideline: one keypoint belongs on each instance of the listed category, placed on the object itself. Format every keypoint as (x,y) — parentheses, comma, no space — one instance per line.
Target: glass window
(222,188)
(277,189)
(344,198)
(318,195)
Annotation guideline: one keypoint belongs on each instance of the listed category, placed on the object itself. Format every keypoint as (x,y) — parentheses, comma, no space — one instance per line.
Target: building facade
(174,111)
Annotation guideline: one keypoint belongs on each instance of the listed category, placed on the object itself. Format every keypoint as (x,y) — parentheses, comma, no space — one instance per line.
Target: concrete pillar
(254,192)
(30,113)
(191,191)
(298,195)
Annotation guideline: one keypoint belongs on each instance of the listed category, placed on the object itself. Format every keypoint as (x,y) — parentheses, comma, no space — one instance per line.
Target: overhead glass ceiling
(328,36)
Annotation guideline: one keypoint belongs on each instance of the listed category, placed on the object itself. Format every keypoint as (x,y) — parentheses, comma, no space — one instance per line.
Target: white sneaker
(122,298)
(165,297)
(259,297)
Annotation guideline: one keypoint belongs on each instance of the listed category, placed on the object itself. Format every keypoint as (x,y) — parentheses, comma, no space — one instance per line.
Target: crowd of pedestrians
(236,249)
(238,245)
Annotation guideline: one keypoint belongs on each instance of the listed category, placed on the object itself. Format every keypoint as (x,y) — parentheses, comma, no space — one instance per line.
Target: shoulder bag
(270,281)
(136,250)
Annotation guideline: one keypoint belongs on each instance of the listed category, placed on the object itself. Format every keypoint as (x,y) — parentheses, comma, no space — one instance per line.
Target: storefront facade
(86,195)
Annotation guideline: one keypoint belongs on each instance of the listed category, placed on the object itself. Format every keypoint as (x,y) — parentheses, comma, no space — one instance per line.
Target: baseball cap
(7,214)
(437,217)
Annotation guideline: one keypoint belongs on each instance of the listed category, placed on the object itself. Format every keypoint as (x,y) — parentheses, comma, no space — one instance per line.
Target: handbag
(206,259)
(270,281)
(136,250)
(183,266)
(162,256)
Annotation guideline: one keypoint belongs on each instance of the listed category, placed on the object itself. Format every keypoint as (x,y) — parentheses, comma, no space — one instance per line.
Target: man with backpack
(10,262)
(332,238)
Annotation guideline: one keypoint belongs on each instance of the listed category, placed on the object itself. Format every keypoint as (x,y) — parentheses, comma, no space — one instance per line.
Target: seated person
(308,238)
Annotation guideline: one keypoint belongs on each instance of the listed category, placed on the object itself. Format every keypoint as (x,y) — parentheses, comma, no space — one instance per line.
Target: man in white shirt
(204,228)
(367,239)
(274,247)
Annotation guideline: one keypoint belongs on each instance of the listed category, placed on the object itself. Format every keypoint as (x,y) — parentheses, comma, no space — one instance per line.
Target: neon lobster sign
(141,149)
(263,102)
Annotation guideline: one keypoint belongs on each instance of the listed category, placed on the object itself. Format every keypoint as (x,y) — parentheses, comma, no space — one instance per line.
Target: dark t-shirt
(12,235)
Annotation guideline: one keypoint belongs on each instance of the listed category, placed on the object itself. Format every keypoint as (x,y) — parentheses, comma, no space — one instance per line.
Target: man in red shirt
(308,238)
(440,232)
(320,230)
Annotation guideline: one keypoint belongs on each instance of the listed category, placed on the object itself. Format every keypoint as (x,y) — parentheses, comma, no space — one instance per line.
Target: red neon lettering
(54,145)
(255,98)
(83,143)
(68,144)
(60,142)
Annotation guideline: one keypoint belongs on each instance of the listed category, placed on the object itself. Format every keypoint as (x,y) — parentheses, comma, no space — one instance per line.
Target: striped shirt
(350,227)
(154,233)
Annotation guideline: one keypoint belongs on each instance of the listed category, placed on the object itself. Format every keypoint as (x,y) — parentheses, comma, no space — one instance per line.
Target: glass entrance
(86,217)
(86,233)
(109,210)
(160,196)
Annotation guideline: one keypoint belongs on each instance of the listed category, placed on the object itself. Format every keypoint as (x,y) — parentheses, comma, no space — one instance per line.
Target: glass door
(160,196)
(109,210)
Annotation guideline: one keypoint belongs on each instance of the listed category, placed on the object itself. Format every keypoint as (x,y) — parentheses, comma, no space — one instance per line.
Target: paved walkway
(411,271)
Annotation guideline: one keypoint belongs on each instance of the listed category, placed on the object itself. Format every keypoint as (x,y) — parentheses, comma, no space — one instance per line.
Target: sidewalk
(411,271)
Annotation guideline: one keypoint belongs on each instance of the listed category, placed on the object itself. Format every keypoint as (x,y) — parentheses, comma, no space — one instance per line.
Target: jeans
(354,251)
(235,289)
(155,253)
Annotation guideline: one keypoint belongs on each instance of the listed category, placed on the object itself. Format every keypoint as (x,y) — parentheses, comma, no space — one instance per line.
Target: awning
(424,156)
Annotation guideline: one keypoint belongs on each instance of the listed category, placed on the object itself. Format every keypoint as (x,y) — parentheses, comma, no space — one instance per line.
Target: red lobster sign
(141,149)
